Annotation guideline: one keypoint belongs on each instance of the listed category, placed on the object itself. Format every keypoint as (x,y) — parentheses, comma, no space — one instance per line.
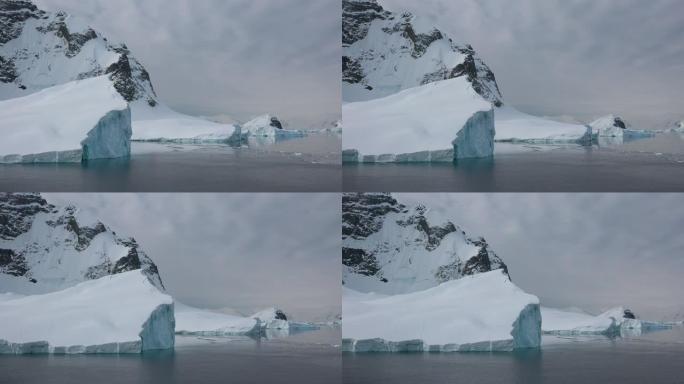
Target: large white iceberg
(76,121)
(195,321)
(272,318)
(436,122)
(515,126)
(122,313)
(483,312)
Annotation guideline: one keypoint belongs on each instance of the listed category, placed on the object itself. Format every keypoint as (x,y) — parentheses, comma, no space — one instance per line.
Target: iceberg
(435,122)
(77,121)
(272,318)
(195,321)
(269,126)
(162,124)
(482,312)
(614,322)
(122,313)
(515,126)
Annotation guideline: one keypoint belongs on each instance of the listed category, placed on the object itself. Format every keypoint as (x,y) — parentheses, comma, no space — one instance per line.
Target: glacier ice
(515,126)
(436,122)
(122,313)
(80,120)
(195,321)
(483,312)
(268,126)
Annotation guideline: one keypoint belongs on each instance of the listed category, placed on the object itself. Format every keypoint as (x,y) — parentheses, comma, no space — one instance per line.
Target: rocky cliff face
(40,49)
(49,247)
(395,248)
(384,53)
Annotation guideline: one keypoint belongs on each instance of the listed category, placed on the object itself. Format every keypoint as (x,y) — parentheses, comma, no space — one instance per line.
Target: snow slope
(80,120)
(439,121)
(515,126)
(195,321)
(121,313)
(391,248)
(483,312)
(45,248)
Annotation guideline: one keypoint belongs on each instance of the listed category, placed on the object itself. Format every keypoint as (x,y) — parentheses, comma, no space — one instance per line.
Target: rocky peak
(364,60)
(46,244)
(58,56)
(618,122)
(392,243)
(276,123)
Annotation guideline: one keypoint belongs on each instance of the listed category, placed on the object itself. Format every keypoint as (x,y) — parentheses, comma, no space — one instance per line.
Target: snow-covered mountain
(386,52)
(40,50)
(389,247)
(46,248)
(268,126)
(414,281)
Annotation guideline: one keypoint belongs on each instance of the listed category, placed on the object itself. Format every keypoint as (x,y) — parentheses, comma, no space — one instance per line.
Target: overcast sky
(239,57)
(592,251)
(240,251)
(582,58)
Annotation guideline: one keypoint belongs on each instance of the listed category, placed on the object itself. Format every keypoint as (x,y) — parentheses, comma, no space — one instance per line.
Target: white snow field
(195,321)
(482,312)
(162,124)
(122,313)
(515,126)
(262,126)
(76,121)
(436,122)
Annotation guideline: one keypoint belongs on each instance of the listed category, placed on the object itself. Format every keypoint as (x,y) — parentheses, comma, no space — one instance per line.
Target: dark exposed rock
(356,18)
(74,41)
(363,213)
(359,261)
(481,78)
(8,72)
(120,73)
(12,263)
(276,123)
(620,123)
(352,72)
(17,211)
(280,315)
(13,14)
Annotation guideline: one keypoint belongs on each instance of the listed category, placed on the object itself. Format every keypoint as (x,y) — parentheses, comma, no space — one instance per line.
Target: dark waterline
(654,359)
(304,165)
(306,358)
(633,167)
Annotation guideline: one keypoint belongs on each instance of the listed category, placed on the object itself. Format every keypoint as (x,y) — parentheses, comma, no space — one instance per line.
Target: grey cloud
(593,251)
(240,58)
(240,251)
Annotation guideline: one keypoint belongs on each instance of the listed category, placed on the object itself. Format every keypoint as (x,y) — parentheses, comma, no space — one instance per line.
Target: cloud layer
(240,57)
(239,251)
(593,251)
(583,58)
